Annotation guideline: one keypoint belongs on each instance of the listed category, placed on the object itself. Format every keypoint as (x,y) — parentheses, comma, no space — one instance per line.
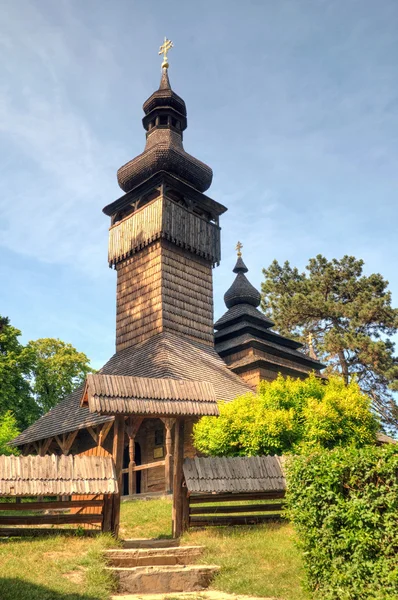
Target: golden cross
(238,248)
(164,48)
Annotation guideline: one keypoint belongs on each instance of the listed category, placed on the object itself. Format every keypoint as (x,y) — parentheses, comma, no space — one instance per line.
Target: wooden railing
(204,510)
(54,512)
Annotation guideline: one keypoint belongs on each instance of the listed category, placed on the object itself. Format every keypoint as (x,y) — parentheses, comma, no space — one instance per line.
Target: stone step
(164,579)
(150,543)
(138,557)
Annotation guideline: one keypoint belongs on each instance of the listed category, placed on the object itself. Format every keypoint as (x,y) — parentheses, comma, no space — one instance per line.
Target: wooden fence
(56,512)
(204,510)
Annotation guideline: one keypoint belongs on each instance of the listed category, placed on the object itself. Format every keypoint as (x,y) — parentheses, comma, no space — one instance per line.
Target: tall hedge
(344,504)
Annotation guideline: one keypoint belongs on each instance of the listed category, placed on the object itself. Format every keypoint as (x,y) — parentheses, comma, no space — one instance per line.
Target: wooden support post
(132,475)
(178,478)
(107,510)
(185,508)
(132,428)
(168,469)
(118,447)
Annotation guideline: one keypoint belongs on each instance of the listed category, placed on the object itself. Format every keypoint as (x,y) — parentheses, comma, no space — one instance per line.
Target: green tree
(57,369)
(8,431)
(289,415)
(349,316)
(15,366)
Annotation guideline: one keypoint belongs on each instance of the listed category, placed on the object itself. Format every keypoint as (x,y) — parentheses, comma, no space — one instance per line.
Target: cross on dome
(164,48)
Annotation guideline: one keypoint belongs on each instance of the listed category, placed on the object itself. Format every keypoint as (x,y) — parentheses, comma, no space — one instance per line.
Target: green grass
(261,560)
(258,561)
(55,568)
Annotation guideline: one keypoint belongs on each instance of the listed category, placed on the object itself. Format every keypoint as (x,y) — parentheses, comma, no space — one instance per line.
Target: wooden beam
(178,479)
(49,519)
(232,520)
(69,441)
(204,498)
(93,434)
(107,511)
(45,446)
(153,465)
(118,449)
(57,504)
(104,432)
(245,508)
(132,427)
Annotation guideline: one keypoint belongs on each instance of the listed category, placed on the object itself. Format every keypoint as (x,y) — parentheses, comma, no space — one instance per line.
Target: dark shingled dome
(165,120)
(241,291)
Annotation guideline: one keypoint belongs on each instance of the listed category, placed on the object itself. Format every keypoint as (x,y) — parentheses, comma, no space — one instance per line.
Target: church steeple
(165,121)
(165,236)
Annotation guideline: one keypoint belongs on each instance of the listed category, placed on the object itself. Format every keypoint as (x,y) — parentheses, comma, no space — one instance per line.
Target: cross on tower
(238,248)
(164,48)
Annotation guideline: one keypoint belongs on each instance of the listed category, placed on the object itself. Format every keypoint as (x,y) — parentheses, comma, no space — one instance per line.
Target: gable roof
(236,474)
(164,355)
(110,394)
(56,475)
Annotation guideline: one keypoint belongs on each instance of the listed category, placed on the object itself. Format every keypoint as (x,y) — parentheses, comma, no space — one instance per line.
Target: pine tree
(349,317)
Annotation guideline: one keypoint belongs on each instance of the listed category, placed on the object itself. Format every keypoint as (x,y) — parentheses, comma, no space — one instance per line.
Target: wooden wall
(163,288)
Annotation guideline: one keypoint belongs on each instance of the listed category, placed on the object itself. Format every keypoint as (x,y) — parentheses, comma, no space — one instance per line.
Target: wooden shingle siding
(164,218)
(56,475)
(234,475)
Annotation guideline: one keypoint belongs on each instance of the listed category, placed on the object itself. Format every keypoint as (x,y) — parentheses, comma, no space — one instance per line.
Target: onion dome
(165,120)
(241,291)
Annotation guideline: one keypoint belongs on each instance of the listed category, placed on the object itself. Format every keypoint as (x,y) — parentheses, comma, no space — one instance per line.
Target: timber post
(168,469)
(118,447)
(178,479)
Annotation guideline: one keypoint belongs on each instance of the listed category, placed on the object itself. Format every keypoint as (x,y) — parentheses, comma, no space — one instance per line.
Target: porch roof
(112,394)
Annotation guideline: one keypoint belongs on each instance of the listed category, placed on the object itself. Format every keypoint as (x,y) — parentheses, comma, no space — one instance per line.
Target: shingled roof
(236,474)
(111,394)
(165,355)
(56,475)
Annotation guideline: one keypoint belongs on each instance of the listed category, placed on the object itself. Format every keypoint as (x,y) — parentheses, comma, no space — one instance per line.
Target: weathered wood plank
(247,508)
(49,519)
(232,520)
(205,498)
(29,532)
(5,506)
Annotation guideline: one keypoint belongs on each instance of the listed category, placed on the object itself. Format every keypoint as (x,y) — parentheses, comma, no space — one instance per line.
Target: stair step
(150,543)
(164,579)
(136,557)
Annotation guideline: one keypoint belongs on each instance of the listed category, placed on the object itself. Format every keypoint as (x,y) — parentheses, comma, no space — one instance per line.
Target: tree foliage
(35,377)
(57,369)
(15,368)
(344,506)
(8,431)
(349,316)
(289,415)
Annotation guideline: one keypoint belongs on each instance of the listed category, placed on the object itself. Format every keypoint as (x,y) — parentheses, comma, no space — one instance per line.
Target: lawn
(261,561)
(54,568)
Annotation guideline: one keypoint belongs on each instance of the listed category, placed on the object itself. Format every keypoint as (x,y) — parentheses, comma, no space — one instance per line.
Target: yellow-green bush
(289,415)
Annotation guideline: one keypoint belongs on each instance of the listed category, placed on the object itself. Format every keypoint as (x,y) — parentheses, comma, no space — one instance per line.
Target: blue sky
(294,104)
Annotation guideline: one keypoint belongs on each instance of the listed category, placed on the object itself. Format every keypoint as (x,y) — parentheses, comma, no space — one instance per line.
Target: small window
(163,120)
(174,122)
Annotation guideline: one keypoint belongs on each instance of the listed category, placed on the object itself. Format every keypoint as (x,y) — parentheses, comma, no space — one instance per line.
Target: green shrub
(344,504)
(288,415)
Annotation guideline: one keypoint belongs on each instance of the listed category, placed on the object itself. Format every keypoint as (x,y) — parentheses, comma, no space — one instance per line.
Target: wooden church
(172,363)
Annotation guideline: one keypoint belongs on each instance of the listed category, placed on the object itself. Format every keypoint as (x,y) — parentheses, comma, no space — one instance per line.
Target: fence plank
(50,505)
(232,520)
(49,519)
(247,508)
(28,532)
(205,498)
